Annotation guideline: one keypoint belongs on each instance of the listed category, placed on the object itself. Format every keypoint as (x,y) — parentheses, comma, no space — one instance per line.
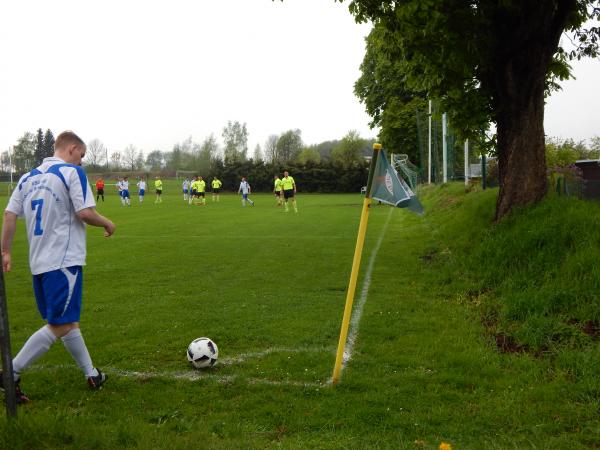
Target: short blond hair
(67,138)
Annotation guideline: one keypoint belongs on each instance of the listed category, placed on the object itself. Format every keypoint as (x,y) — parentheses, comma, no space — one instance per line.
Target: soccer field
(267,286)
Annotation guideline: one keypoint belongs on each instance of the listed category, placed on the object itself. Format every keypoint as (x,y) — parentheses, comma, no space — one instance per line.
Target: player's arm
(9,225)
(91,217)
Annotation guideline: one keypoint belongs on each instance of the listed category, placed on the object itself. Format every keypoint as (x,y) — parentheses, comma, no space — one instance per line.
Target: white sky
(152,73)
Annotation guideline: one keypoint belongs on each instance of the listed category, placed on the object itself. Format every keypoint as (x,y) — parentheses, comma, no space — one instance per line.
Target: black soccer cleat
(19,394)
(97,381)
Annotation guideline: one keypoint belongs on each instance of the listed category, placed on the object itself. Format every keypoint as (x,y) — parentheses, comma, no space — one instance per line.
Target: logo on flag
(391,189)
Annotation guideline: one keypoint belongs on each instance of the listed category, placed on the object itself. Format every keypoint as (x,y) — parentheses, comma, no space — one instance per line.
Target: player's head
(125,178)
(285,173)
(243,178)
(200,178)
(69,147)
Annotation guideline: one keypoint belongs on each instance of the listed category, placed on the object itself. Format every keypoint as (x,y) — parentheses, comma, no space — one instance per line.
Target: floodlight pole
(360,240)
(429,148)
(445,146)
(466,162)
(8,379)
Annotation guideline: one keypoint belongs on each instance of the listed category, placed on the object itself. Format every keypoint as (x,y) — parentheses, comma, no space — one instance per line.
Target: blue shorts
(58,294)
(245,196)
(125,193)
(185,191)
(141,192)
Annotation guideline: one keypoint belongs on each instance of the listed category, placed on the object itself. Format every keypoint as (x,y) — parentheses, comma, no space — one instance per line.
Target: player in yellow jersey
(289,190)
(277,189)
(158,185)
(216,188)
(201,191)
(193,190)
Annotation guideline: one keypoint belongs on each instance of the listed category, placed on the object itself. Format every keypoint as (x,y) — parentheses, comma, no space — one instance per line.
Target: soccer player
(201,190)
(277,190)
(185,186)
(246,190)
(99,189)
(125,192)
(193,190)
(216,188)
(158,185)
(141,185)
(56,201)
(119,186)
(289,190)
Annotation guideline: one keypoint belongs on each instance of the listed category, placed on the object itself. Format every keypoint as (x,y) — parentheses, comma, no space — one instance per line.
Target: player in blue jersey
(57,202)
(245,190)
(141,185)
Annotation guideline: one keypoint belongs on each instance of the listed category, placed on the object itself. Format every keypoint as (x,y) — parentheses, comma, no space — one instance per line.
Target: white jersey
(49,198)
(186,184)
(124,185)
(119,186)
(141,185)
(244,187)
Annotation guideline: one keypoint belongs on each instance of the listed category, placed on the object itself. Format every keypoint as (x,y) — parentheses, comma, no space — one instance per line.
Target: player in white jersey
(186,187)
(56,201)
(125,199)
(246,190)
(141,185)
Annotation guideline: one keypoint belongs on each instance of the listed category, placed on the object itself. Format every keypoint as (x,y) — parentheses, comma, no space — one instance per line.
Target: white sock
(35,347)
(73,342)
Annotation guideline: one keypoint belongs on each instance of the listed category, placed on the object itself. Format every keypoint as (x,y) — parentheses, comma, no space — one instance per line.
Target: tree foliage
(235,141)
(96,153)
(349,151)
(487,61)
(23,157)
(289,145)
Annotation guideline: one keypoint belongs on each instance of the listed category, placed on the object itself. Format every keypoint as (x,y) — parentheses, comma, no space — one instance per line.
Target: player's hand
(109,229)
(6,262)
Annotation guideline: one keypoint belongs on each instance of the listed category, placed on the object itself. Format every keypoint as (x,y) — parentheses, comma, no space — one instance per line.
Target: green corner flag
(389,188)
(384,185)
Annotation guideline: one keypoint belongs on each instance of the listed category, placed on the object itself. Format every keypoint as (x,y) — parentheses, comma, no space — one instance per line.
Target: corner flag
(384,185)
(389,188)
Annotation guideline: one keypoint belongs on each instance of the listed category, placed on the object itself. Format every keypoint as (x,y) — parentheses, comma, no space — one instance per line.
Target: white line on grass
(358,308)
(195,375)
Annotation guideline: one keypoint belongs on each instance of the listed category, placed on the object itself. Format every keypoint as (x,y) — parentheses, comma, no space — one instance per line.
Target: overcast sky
(152,73)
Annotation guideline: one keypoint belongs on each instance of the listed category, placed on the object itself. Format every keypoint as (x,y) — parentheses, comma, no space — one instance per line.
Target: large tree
(23,153)
(38,152)
(235,141)
(349,150)
(96,153)
(289,145)
(489,61)
(48,147)
(391,104)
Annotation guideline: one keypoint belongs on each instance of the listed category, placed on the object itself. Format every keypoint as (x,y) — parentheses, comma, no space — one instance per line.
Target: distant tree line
(330,166)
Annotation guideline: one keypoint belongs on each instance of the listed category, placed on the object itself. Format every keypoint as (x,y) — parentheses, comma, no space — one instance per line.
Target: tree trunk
(530,37)
(521,146)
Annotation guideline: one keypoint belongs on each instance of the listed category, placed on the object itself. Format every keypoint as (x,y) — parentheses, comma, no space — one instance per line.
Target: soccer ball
(202,352)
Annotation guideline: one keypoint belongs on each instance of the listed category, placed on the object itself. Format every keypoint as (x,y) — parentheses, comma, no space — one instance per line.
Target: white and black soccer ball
(202,352)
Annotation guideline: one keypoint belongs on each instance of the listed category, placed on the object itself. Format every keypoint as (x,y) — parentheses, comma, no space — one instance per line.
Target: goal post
(179,174)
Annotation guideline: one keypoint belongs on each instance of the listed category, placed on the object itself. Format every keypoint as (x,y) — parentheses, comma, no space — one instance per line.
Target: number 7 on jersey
(39,204)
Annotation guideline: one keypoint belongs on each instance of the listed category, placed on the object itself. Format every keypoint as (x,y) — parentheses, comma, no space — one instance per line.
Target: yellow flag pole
(360,240)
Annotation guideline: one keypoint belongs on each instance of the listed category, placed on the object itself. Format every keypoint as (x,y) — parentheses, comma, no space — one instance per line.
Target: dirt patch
(430,256)
(508,344)
(589,327)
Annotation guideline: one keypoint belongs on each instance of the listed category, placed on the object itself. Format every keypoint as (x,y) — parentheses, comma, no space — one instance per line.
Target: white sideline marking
(195,375)
(358,308)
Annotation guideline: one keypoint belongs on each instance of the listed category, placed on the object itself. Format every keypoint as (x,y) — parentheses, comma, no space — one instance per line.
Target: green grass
(259,281)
